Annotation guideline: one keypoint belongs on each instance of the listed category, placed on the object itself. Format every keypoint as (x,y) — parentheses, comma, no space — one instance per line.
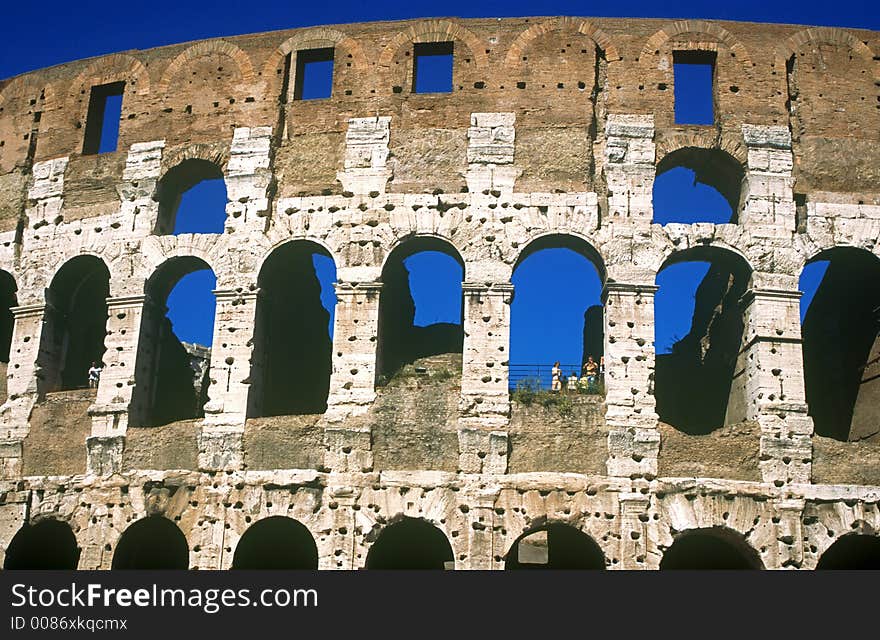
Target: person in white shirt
(94,375)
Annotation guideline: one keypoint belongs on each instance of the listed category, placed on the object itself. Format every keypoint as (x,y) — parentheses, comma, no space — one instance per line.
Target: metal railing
(538,376)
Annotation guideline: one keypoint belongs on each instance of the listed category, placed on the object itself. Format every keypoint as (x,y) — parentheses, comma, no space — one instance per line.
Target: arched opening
(276,543)
(698,332)
(293,336)
(411,544)
(7,301)
(48,544)
(852,551)
(714,548)
(697,185)
(420,307)
(556,315)
(75,324)
(174,346)
(152,543)
(555,546)
(840,316)
(192,199)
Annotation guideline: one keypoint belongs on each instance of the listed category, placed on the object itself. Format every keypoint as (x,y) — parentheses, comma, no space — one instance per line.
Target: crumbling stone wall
(553,133)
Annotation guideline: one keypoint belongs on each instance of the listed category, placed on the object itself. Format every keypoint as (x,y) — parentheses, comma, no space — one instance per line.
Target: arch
(697,384)
(152,543)
(241,60)
(291,360)
(714,167)
(28,82)
(852,551)
(555,545)
(673,29)
(513,60)
(112,68)
(75,323)
(8,299)
(574,336)
(434,31)
(177,181)
(410,543)
(317,38)
(564,240)
(47,544)
(172,377)
(822,35)
(843,319)
(277,542)
(400,340)
(710,548)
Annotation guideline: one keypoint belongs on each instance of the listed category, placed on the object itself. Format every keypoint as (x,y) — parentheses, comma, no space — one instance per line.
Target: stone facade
(555,129)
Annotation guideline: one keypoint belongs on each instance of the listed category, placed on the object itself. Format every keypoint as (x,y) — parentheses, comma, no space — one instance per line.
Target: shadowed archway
(48,544)
(276,543)
(712,548)
(555,546)
(411,544)
(152,543)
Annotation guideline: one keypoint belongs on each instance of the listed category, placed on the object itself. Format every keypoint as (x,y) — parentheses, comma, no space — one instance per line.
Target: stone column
(355,335)
(21,386)
(485,397)
(248,176)
(232,346)
(789,532)
(633,437)
(633,530)
(770,379)
(110,412)
(490,152)
(143,166)
(629,168)
(366,153)
(768,200)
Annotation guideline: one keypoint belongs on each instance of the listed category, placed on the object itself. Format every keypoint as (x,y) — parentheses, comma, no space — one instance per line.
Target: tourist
(573,382)
(591,369)
(94,375)
(556,377)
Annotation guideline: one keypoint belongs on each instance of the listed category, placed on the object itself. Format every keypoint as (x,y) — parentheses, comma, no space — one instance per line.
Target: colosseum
(372,446)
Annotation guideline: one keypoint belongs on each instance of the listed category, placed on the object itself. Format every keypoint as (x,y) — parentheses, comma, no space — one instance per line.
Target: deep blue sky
(40,35)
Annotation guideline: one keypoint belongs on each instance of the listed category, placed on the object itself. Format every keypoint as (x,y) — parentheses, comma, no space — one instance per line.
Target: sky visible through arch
(73,31)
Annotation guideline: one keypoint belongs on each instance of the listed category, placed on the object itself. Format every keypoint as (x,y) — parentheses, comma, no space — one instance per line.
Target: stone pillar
(629,167)
(248,176)
(46,194)
(366,154)
(770,376)
(485,396)
(768,200)
(490,150)
(119,381)
(143,167)
(633,437)
(480,529)
(232,347)
(789,532)
(633,530)
(21,386)
(355,336)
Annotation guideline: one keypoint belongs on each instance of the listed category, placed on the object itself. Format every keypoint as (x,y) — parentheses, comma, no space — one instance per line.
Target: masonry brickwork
(554,130)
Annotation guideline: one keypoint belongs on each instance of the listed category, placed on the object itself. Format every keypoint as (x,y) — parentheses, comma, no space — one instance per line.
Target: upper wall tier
(559,76)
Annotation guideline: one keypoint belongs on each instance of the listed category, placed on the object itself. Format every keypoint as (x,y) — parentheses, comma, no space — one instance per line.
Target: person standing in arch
(556,377)
(591,369)
(94,375)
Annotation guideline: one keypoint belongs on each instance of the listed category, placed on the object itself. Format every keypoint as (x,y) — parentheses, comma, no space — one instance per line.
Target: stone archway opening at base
(556,315)
(852,551)
(172,369)
(698,333)
(277,542)
(712,548)
(840,319)
(152,543)
(555,546)
(48,544)
(421,304)
(74,324)
(293,334)
(411,543)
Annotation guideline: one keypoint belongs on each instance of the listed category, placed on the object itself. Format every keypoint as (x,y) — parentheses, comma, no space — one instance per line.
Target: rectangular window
(102,121)
(314,74)
(432,67)
(694,87)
